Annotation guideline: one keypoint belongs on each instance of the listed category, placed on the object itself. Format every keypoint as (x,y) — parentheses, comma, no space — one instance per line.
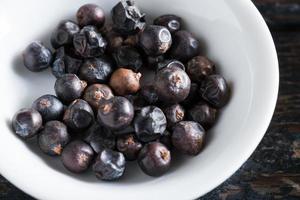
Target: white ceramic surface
(234,35)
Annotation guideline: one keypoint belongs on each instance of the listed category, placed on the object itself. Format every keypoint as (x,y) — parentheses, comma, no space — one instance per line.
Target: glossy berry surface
(63,63)
(200,67)
(90,14)
(64,33)
(171,22)
(49,106)
(127,18)
(169,64)
(100,138)
(69,87)
(27,122)
(128,57)
(109,165)
(204,114)
(149,93)
(125,81)
(193,96)
(185,46)
(215,90)
(96,70)
(174,114)
(155,40)
(93,94)
(188,137)
(129,146)
(172,84)
(116,113)
(53,138)
(77,156)
(89,42)
(37,57)
(78,115)
(154,159)
(150,123)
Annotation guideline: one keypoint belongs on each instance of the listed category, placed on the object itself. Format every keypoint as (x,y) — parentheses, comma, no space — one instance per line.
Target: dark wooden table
(273,171)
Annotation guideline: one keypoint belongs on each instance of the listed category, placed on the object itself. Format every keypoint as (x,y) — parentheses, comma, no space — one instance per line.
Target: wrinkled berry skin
(170,63)
(127,18)
(215,90)
(188,137)
(128,57)
(64,33)
(155,40)
(37,57)
(50,107)
(193,96)
(149,93)
(204,114)
(171,22)
(200,67)
(96,70)
(77,156)
(69,87)
(125,81)
(95,93)
(172,85)
(64,63)
(116,113)
(89,43)
(91,14)
(100,138)
(78,115)
(150,123)
(129,146)
(174,114)
(53,138)
(154,159)
(166,139)
(185,46)
(109,165)
(27,122)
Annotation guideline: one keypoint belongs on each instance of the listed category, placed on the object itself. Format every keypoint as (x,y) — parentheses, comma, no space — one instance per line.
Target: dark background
(273,171)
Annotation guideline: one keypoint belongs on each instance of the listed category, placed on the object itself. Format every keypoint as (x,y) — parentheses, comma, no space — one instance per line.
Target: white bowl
(235,36)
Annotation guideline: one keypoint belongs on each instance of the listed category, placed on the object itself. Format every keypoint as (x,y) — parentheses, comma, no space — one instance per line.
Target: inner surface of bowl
(229,33)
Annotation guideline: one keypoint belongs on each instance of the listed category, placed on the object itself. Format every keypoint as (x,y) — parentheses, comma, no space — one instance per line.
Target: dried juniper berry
(171,22)
(172,85)
(154,159)
(128,57)
(215,90)
(174,114)
(170,63)
(132,40)
(150,123)
(129,146)
(155,40)
(137,101)
(89,43)
(200,67)
(149,93)
(188,137)
(64,63)
(53,138)
(114,39)
(125,81)
(27,122)
(49,106)
(90,14)
(69,87)
(116,113)
(185,46)
(77,156)
(127,18)
(37,57)
(109,165)
(204,114)
(193,96)
(100,138)
(64,33)
(95,93)
(78,115)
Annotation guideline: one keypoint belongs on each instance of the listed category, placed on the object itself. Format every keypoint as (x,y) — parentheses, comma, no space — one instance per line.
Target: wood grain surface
(273,171)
